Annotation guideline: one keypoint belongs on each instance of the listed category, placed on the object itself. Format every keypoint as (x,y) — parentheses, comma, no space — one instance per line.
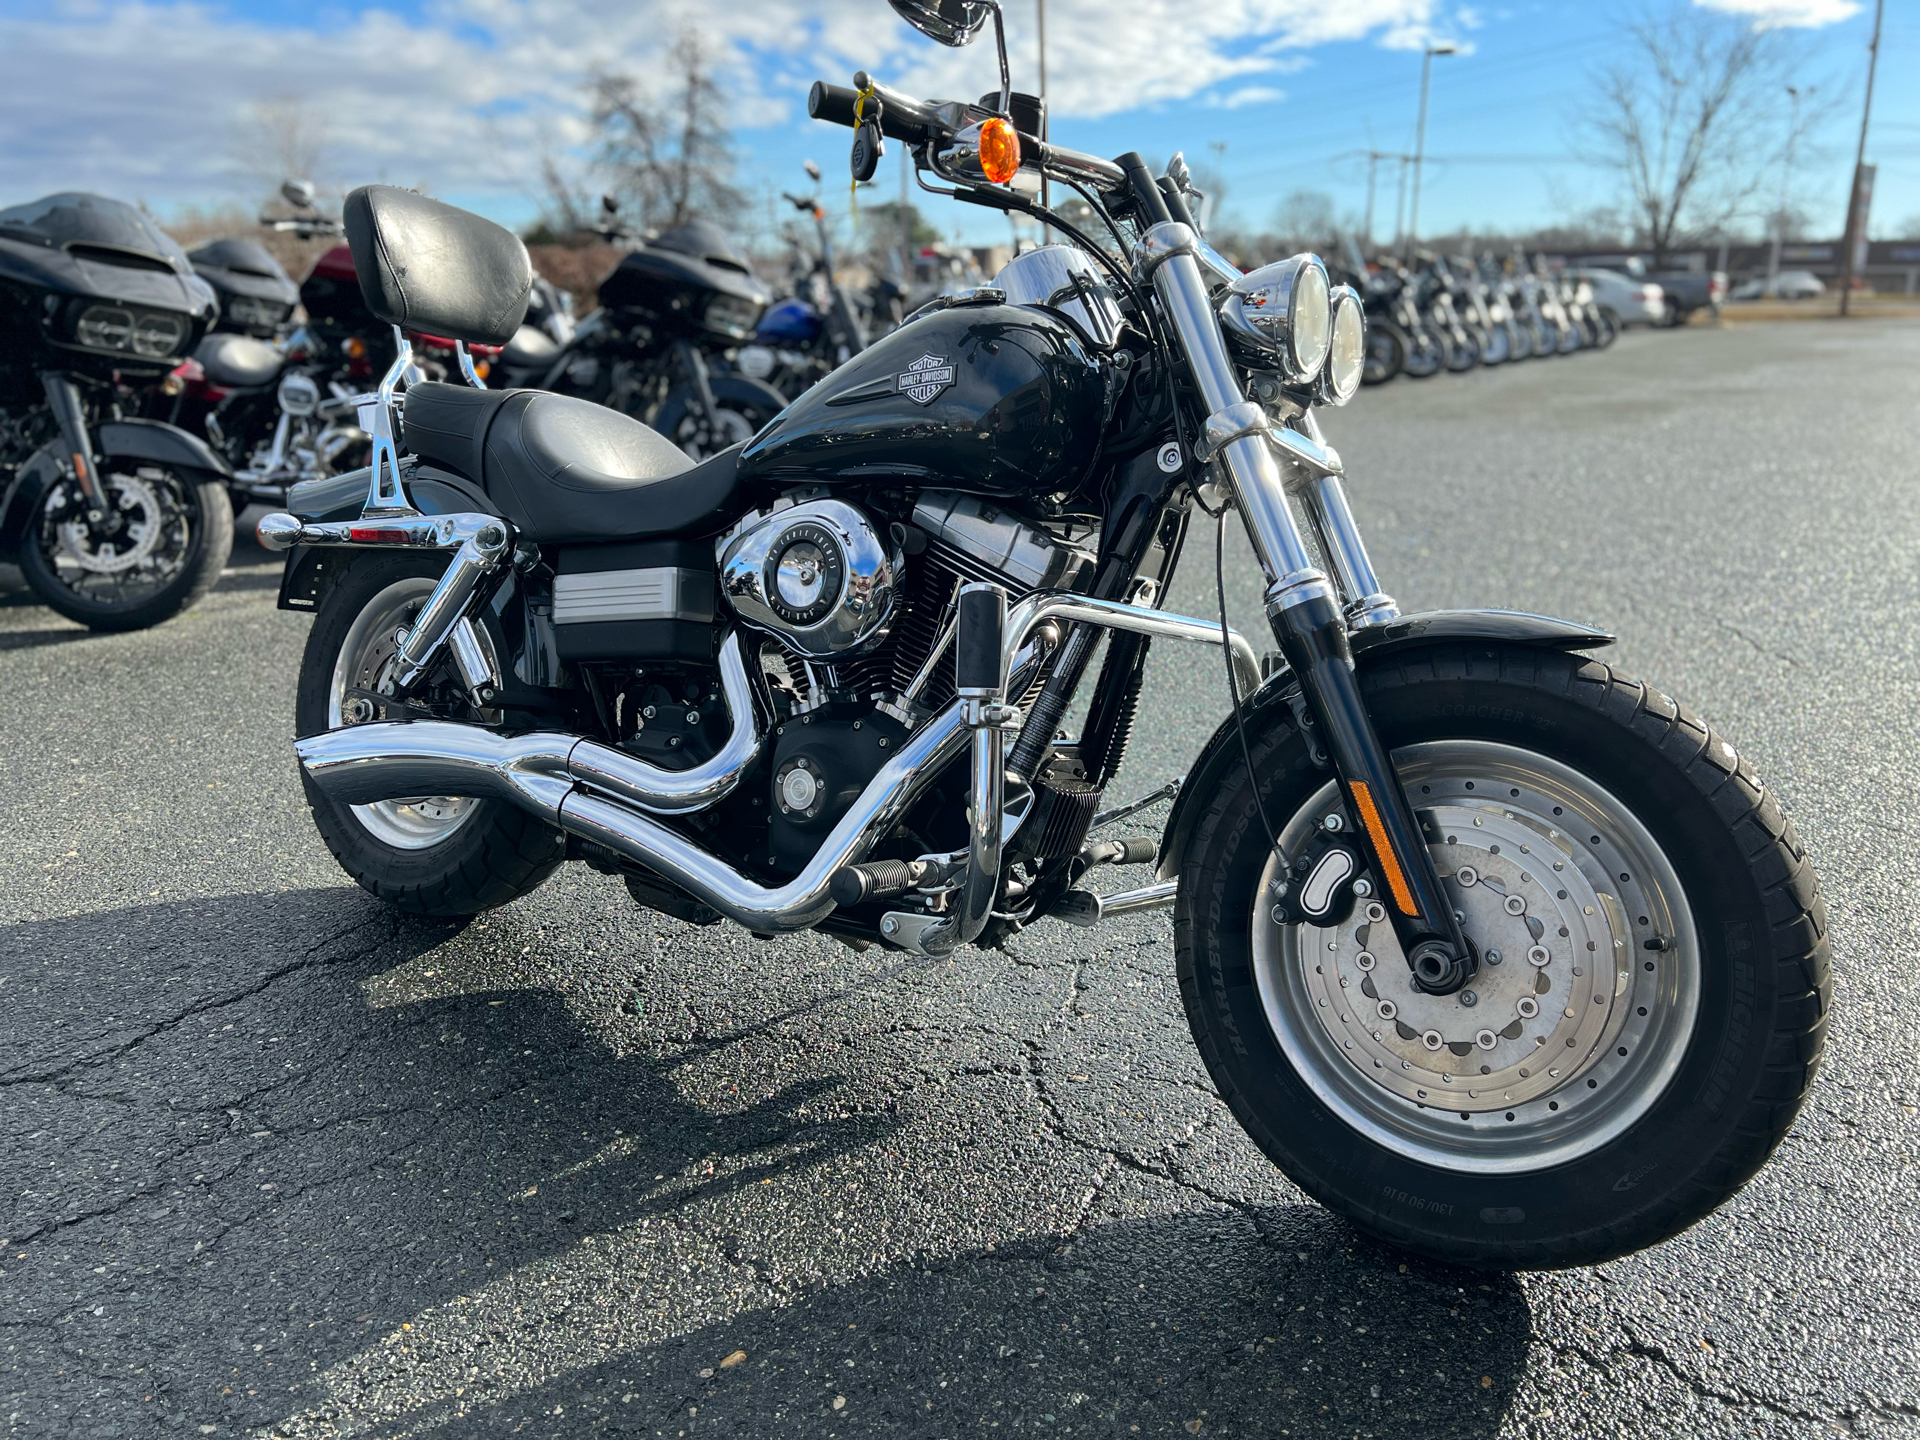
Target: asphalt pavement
(279,1162)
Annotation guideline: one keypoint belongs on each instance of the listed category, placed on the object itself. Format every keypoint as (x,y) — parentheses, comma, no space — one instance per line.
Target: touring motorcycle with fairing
(1497,952)
(116,521)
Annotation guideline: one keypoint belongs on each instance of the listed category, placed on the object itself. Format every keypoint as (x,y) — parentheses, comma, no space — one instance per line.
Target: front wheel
(738,416)
(1386,353)
(1653,988)
(160,543)
(428,854)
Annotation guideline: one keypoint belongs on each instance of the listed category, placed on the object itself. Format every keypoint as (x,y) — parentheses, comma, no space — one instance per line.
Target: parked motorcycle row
(1458,313)
(148,385)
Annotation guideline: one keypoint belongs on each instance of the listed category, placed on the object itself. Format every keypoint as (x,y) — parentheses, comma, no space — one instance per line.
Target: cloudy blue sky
(177,102)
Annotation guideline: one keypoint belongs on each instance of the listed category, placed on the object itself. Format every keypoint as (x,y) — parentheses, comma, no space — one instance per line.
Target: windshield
(58,220)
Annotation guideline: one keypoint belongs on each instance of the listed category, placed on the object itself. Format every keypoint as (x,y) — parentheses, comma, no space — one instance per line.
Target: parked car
(1632,302)
(1787,285)
(1689,290)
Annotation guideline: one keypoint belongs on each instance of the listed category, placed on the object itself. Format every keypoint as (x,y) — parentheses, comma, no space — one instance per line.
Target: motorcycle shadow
(462,1209)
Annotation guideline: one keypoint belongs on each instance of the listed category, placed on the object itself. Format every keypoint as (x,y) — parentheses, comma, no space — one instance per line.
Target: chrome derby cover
(1065,281)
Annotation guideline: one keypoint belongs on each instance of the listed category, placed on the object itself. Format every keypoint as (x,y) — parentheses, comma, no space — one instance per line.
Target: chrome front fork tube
(1304,610)
(1324,498)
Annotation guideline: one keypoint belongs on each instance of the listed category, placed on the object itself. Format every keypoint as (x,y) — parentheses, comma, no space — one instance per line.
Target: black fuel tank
(995,399)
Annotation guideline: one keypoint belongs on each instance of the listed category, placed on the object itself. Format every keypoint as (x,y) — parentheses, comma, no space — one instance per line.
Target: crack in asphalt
(390,925)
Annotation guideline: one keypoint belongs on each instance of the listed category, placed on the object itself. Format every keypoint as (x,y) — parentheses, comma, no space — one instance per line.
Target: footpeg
(876,880)
(1134,850)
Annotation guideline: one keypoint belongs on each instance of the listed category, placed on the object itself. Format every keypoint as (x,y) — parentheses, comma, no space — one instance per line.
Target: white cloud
(1782,14)
(143,98)
(1250,95)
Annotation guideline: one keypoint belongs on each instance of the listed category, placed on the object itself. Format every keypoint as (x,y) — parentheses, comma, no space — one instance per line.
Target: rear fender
(1372,645)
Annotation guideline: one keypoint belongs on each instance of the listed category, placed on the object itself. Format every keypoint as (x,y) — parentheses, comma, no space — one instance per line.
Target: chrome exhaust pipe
(542,773)
(395,759)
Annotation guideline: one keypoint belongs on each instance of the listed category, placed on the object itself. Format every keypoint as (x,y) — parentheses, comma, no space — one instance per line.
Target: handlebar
(917,122)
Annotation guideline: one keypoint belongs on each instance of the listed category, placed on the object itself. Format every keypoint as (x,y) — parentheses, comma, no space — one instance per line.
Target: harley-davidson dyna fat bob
(1497,952)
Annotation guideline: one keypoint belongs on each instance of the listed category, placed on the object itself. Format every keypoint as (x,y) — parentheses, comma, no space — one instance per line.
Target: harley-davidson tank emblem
(925,378)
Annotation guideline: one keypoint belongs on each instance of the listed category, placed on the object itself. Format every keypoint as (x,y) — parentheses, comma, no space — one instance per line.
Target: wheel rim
(141,549)
(700,440)
(1601,1041)
(366,662)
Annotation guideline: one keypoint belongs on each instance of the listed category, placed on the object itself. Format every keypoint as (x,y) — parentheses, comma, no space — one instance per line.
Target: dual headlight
(153,335)
(1288,316)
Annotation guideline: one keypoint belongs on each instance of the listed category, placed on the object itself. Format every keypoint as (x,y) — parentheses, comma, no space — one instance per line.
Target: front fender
(1371,646)
(161,443)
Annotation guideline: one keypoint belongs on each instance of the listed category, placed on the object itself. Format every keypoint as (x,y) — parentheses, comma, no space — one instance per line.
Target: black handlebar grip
(834,104)
(980,646)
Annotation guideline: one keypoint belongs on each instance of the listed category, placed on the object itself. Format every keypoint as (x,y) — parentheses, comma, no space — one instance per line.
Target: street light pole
(1786,180)
(1859,162)
(1445,47)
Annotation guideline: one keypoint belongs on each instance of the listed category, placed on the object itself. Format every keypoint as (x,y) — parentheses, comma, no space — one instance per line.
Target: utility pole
(1855,219)
(1445,47)
(1786,180)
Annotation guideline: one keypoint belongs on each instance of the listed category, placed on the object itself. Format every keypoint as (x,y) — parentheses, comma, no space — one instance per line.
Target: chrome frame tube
(1168,253)
(281,531)
(1063,605)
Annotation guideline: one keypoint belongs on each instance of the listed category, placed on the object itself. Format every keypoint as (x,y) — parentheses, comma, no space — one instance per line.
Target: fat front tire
(1653,996)
(430,855)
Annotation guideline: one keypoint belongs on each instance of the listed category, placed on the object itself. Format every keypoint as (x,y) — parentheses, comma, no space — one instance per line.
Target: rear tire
(1699,1056)
(431,856)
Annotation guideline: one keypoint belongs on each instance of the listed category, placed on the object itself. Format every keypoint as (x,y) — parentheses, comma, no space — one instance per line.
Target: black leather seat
(563,469)
(238,362)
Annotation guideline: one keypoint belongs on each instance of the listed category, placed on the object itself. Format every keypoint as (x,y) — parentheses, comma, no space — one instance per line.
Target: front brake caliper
(1316,888)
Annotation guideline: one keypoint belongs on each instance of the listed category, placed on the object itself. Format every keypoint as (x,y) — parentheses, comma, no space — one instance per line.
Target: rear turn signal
(999,150)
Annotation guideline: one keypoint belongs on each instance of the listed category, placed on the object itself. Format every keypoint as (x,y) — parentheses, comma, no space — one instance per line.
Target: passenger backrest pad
(433,268)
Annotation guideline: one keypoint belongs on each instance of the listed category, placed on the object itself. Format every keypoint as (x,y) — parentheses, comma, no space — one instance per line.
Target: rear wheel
(1653,991)
(159,544)
(431,854)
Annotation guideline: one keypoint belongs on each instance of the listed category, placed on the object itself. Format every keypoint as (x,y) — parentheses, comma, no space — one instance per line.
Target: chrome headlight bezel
(1281,315)
(1340,380)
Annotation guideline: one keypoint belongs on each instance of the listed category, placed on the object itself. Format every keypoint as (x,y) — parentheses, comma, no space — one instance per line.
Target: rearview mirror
(298,193)
(951,22)
(813,172)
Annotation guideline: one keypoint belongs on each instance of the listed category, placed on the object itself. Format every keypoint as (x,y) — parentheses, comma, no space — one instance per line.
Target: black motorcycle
(1497,952)
(671,302)
(116,521)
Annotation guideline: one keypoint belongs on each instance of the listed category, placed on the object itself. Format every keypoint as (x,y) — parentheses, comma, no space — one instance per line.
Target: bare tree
(281,139)
(1689,121)
(671,156)
(1305,220)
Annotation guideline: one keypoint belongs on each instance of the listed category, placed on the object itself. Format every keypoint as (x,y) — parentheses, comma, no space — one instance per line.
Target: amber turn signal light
(999,150)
